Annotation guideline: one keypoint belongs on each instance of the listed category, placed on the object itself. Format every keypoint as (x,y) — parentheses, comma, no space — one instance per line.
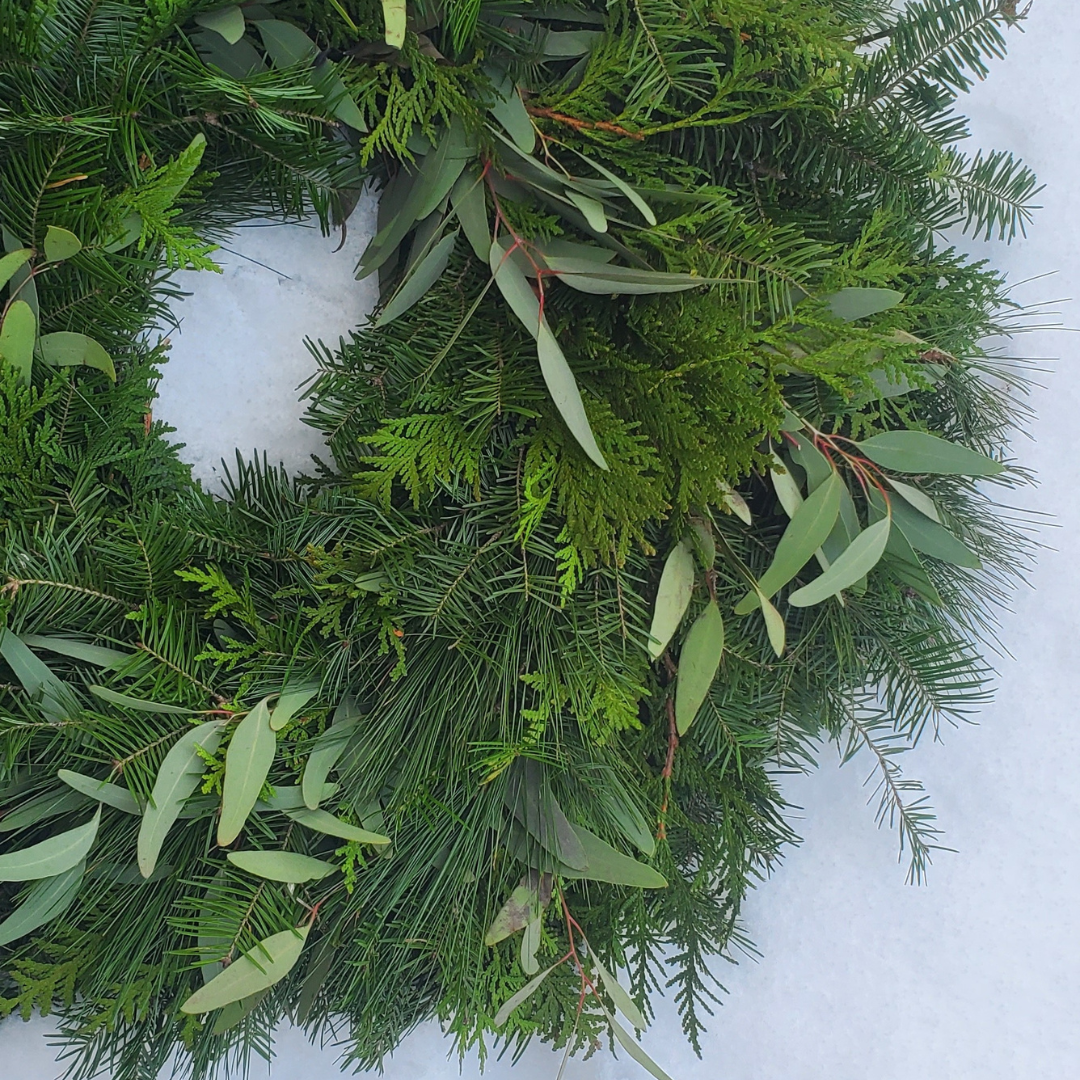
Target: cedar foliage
(461,588)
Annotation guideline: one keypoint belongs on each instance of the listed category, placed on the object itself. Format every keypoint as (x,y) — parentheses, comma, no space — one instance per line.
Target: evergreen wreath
(671,455)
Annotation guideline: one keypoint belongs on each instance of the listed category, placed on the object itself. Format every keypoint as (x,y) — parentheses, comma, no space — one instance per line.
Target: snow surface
(975,976)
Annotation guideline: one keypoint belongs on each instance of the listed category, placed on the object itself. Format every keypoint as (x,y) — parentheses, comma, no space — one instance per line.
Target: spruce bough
(669,457)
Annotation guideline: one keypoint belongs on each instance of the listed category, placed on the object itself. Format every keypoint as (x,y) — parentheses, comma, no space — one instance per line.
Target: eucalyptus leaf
(558,377)
(592,209)
(510,111)
(259,968)
(111,794)
(931,538)
(287,797)
(314,978)
(787,491)
(917,498)
(13,261)
(60,244)
(607,864)
(177,778)
(639,203)
(519,909)
(98,655)
(327,749)
(808,529)
(619,996)
(285,866)
(236,1011)
(672,596)
(126,701)
(426,273)
(287,44)
(394,22)
(699,662)
(857,303)
(18,333)
(321,821)
(50,857)
(43,902)
(918,452)
(289,703)
(226,21)
(628,1043)
(625,816)
(530,942)
(774,624)
(858,559)
(735,503)
(65,348)
(237,61)
(49,804)
(34,674)
(22,285)
(470,205)
(522,995)
(247,765)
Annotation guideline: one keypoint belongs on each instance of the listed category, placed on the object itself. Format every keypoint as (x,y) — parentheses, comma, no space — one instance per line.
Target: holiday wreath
(670,455)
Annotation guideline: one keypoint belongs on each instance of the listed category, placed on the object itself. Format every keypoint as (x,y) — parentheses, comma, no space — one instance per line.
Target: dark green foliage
(466,594)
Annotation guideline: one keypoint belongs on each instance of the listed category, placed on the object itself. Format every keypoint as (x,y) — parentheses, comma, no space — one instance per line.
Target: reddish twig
(579,125)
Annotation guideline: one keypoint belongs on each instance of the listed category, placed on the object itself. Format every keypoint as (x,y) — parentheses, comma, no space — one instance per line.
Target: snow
(975,976)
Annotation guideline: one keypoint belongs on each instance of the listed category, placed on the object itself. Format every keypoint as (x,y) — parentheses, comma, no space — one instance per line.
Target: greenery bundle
(670,455)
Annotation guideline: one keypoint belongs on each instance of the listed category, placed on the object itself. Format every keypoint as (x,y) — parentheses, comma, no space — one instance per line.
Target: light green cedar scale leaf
(699,662)
(60,244)
(860,557)
(416,285)
(177,778)
(808,529)
(45,901)
(258,969)
(672,597)
(287,866)
(17,336)
(247,764)
(50,857)
(65,348)
(918,452)
(111,794)
(226,21)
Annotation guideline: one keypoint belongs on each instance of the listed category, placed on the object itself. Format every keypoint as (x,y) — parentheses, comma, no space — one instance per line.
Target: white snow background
(975,976)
